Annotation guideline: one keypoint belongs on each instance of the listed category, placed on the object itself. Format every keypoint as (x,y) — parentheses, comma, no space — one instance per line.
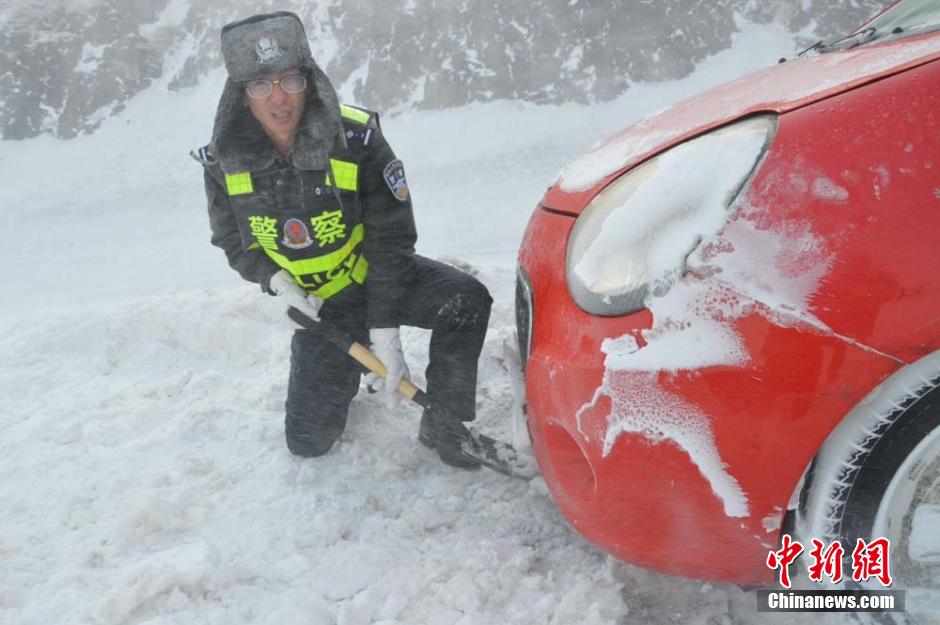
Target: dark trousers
(324,380)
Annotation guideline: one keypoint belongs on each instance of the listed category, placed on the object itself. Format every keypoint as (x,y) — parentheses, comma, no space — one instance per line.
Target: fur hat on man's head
(268,44)
(265,44)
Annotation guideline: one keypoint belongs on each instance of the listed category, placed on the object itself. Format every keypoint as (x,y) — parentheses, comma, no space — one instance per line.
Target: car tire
(878,474)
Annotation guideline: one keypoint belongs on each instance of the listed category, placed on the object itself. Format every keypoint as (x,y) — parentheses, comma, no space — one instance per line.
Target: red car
(729,315)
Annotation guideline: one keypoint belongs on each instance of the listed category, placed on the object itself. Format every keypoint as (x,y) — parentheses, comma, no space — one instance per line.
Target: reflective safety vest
(307,222)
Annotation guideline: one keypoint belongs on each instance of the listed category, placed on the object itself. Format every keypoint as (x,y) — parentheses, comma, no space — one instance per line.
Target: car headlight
(633,239)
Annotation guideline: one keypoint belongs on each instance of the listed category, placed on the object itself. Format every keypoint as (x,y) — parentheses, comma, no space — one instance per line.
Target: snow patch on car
(884,177)
(780,267)
(773,521)
(604,159)
(750,267)
(689,333)
(826,189)
(640,406)
(638,232)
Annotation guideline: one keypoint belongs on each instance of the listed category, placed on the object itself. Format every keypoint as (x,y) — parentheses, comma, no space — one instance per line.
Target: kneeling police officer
(308,200)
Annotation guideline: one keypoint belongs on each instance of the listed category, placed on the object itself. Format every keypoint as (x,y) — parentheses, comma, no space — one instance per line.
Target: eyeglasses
(261,88)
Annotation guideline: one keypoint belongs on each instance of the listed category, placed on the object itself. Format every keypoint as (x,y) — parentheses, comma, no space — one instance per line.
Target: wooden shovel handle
(362,355)
(371,362)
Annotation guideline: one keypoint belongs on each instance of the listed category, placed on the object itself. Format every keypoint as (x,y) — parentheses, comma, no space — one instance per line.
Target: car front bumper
(687,472)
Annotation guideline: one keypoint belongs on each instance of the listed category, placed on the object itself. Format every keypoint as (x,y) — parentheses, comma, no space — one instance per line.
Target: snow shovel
(496,455)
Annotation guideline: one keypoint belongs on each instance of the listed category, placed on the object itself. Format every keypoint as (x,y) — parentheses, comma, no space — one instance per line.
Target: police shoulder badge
(296,235)
(394,175)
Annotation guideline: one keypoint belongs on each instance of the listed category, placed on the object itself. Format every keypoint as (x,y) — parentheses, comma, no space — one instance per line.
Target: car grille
(523,315)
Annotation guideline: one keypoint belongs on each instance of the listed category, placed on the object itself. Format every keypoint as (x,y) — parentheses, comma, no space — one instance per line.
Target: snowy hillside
(144,477)
(67,66)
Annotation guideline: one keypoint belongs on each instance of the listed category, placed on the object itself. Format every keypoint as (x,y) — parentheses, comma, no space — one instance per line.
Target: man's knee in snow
(468,309)
(311,439)
(309,448)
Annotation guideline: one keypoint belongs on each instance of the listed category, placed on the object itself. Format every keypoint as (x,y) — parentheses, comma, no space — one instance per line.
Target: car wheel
(878,475)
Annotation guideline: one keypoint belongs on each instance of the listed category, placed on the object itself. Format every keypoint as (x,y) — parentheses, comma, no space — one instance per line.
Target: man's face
(279,113)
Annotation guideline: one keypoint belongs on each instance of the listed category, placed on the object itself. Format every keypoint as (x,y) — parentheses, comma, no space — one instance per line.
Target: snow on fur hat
(267,44)
(264,44)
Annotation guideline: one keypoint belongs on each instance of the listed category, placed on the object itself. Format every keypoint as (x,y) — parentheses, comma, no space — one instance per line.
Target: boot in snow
(446,435)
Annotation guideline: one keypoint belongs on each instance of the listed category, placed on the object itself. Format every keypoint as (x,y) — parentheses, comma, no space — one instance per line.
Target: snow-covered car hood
(779,89)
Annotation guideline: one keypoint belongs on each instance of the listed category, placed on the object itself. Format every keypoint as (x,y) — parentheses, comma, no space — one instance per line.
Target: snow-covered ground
(144,478)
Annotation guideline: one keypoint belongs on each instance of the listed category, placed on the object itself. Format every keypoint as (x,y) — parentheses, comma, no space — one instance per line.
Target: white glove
(386,345)
(286,288)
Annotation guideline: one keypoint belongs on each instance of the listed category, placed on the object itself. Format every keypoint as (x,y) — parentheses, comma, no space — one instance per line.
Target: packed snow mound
(146,479)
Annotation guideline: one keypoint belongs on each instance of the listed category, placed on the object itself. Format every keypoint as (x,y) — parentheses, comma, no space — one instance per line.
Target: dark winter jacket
(288,198)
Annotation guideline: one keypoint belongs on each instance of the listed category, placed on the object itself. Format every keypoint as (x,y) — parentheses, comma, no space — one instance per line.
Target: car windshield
(909,15)
(906,18)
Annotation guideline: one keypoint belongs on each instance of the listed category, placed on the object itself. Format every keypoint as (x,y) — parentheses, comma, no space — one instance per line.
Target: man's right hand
(284,286)
(386,345)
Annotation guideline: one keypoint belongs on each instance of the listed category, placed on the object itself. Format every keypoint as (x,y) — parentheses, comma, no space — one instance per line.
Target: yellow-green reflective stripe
(334,286)
(320,263)
(360,270)
(354,114)
(347,175)
(239,184)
